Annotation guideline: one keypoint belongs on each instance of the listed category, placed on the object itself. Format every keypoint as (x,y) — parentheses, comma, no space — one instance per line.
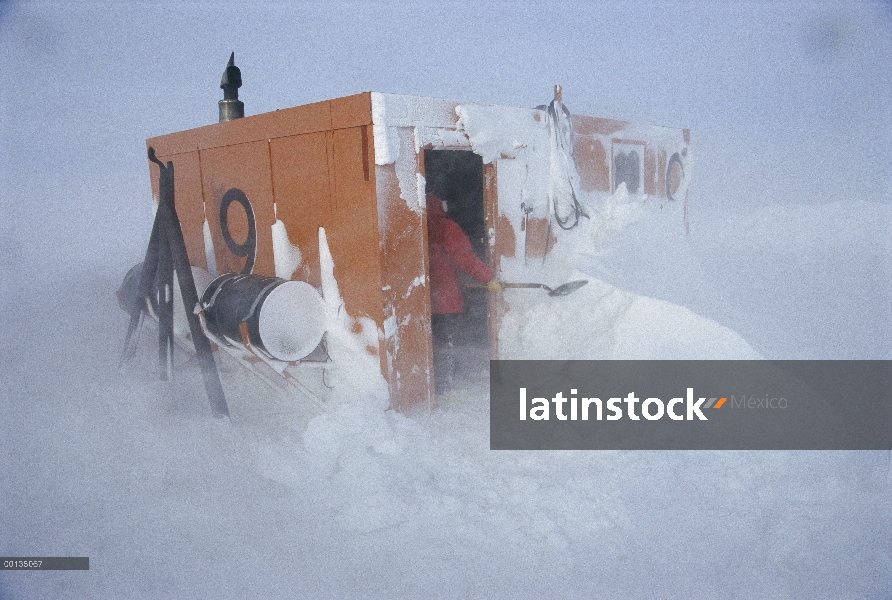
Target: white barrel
(284,319)
(292,320)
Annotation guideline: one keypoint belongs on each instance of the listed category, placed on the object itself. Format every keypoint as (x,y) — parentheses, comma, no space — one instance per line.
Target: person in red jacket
(450,252)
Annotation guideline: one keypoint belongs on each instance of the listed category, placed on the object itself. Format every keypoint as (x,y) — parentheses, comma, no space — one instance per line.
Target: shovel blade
(567,288)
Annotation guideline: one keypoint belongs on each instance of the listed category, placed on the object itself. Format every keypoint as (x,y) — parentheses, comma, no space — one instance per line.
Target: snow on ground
(357,501)
(605,322)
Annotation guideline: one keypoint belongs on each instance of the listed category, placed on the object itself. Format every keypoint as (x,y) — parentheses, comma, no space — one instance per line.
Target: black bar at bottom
(44,563)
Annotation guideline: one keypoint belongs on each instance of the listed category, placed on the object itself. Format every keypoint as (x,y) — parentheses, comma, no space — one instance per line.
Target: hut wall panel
(246,167)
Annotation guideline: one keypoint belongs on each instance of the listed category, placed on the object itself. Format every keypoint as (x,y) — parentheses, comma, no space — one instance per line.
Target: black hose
(567,146)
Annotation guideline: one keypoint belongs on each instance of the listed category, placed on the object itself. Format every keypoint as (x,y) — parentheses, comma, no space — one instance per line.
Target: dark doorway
(456,176)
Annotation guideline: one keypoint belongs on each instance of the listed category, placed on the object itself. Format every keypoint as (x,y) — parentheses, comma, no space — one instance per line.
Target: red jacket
(450,252)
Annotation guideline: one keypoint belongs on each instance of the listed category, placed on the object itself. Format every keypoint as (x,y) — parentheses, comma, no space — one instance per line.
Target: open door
(457,177)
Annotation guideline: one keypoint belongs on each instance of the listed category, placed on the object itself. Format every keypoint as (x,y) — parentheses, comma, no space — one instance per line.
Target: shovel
(561,290)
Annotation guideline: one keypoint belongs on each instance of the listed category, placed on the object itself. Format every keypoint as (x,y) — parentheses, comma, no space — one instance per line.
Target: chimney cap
(232,76)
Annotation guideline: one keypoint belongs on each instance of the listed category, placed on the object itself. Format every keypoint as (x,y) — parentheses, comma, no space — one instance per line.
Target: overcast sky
(787,101)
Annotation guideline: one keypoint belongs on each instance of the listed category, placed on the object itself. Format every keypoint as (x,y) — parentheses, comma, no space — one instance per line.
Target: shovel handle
(509,285)
(525,285)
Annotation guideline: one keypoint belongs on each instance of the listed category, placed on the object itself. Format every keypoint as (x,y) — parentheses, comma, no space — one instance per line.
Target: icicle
(209,254)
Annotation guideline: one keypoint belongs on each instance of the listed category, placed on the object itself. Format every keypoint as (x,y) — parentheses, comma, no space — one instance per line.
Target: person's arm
(458,247)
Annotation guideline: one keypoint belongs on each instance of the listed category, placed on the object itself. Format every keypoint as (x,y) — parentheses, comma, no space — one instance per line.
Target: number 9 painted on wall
(249,247)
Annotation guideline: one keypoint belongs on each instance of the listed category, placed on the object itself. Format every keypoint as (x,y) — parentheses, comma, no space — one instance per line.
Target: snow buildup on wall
(439,137)
(387,144)
(432,119)
(349,439)
(353,347)
(517,140)
(352,343)
(209,255)
(286,256)
(502,131)
(411,182)
(401,126)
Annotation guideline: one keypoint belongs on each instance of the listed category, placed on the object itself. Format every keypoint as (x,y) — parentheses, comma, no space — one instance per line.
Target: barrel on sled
(284,319)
